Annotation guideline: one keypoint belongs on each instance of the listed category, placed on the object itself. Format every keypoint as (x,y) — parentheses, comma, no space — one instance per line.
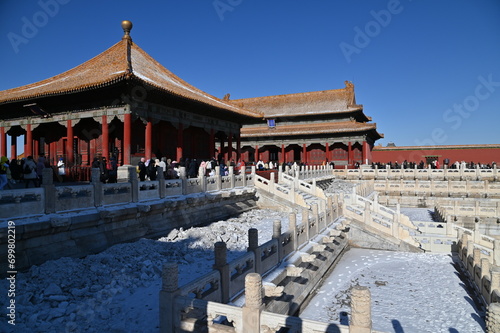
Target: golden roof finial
(126,26)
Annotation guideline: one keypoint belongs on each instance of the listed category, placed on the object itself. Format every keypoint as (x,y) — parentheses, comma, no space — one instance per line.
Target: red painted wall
(476,155)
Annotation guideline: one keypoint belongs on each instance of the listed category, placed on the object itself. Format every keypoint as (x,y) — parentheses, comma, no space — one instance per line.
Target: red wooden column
(212,143)
(127,142)
(180,141)
(238,148)
(283,157)
(69,143)
(367,152)
(53,151)
(13,147)
(327,152)
(256,153)
(3,142)
(229,147)
(148,139)
(28,147)
(349,154)
(304,153)
(105,137)
(363,152)
(36,147)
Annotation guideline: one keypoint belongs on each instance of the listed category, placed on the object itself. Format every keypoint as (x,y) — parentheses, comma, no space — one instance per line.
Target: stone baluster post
(341,204)
(203,181)
(183,178)
(361,317)
(277,236)
(305,222)
(218,177)
(315,214)
(463,247)
(253,245)
(134,183)
(293,229)
(329,211)
(231,176)
(476,262)
(253,303)
(376,207)
(50,190)
(470,253)
(367,215)
(243,173)
(395,226)
(161,182)
(485,268)
(272,182)
(495,278)
(97,184)
(336,208)
(496,252)
(477,233)
(221,265)
(449,226)
(493,318)
(168,318)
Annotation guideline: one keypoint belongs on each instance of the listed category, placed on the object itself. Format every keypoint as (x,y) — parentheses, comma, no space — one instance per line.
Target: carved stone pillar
(253,303)
(361,318)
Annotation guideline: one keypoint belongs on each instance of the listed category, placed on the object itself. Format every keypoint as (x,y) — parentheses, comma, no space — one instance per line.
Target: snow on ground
(338,186)
(418,214)
(411,293)
(117,290)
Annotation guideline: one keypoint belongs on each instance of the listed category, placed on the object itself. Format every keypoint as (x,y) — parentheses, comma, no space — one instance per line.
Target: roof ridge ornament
(126,26)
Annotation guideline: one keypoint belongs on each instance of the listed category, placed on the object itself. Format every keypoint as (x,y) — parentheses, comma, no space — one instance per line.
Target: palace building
(313,127)
(123,103)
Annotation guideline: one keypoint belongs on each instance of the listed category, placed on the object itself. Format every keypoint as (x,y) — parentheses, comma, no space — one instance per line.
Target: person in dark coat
(112,167)
(142,169)
(193,169)
(151,169)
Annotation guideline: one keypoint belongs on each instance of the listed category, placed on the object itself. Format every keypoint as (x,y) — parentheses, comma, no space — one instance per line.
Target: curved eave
(216,103)
(306,131)
(94,86)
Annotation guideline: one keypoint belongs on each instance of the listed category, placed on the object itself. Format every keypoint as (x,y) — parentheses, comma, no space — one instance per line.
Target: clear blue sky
(428,72)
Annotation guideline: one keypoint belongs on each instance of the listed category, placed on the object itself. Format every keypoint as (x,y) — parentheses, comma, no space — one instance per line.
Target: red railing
(79,173)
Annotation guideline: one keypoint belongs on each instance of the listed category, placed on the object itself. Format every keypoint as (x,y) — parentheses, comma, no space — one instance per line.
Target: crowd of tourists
(27,171)
(434,164)
(188,167)
(172,169)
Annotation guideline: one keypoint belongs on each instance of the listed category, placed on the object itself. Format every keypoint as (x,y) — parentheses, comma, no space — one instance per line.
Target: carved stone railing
(418,174)
(188,306)
(51,199)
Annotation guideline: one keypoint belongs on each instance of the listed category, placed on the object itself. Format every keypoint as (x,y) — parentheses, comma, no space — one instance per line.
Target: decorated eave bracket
(38,111)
